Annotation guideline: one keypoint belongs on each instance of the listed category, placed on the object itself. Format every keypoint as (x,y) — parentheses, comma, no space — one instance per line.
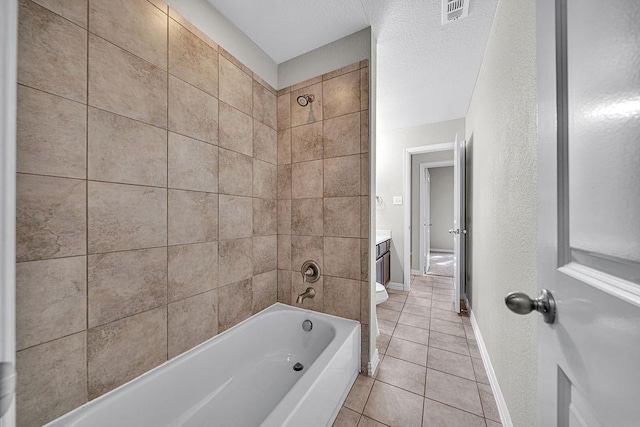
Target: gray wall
(389,173)
(438,199)
(501,135)
(441,208)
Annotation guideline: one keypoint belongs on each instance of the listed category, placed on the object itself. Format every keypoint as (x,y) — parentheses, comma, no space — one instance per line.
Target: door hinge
(7,386)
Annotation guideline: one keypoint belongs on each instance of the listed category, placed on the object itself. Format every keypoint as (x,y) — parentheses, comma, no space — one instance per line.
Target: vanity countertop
(380,239)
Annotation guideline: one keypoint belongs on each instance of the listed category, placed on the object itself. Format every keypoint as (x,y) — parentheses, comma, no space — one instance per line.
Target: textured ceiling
(426,71)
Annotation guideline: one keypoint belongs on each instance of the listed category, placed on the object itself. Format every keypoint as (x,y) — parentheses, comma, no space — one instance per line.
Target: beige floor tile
(478,368)
(443,305)
(382,343)
(446,327)
(446,297)
(408,351)
(394,406)
(421,287)
(357,397)
(396,298)
(449,316)
(451,390)
(420,294)
(416,309)
(386,327)
(488,402)
(437,414)
(442,291)
(488,421)
(423,302)
(451,363)
(468,330)
(414,320)
(388,315)
(406,375)
(368,422)
(441,285)
(346,418)
(473,349)
(410,333)
(449,343)
(395,305)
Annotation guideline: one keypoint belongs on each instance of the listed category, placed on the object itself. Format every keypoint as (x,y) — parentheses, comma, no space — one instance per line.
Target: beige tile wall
(147,196)
(323,193)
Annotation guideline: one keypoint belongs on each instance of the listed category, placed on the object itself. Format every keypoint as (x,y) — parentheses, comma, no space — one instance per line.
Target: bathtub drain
(298,367)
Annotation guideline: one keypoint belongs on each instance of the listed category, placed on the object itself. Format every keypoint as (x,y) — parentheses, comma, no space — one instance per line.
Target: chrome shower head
(304,100)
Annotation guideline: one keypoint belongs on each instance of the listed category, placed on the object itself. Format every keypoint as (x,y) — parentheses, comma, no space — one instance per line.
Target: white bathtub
(242,377)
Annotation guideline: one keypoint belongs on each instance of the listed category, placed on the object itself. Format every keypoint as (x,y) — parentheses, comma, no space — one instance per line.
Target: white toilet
(381,293)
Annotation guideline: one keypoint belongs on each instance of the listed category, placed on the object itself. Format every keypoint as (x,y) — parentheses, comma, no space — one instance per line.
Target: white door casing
(425,220)
(589,209)
(459,231)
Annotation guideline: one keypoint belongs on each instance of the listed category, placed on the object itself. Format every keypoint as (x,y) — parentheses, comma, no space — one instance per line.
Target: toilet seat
(381,293)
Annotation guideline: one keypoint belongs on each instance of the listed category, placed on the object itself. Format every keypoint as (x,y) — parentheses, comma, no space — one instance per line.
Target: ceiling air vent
(452,10)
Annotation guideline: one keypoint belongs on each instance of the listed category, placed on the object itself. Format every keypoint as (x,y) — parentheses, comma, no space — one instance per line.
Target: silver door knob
(520,303)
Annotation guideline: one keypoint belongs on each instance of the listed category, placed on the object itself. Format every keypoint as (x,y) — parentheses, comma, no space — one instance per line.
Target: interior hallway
(430,373)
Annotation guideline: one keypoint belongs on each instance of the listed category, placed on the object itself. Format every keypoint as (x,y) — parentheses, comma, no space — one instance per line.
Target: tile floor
(430,372)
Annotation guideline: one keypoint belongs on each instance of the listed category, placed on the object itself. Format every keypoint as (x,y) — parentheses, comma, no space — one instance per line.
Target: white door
(426,221)
(589,211)
(459,232)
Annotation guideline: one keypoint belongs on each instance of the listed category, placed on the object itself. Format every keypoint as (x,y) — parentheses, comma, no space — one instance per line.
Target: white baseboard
(373,365)
(395,285)
(448,251)
(505,418)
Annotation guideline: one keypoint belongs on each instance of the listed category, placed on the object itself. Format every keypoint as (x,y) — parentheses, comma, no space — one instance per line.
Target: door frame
(423,186)
(8,87)
(407,153)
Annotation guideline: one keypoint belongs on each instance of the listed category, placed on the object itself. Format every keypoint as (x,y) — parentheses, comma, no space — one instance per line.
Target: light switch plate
(397,200)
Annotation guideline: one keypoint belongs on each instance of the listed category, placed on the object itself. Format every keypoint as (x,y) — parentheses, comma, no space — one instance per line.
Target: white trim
(446,251)
(396,286)
(373,364)
(8,71)
(407,153)
(505,418)
(619,288)
(416,272)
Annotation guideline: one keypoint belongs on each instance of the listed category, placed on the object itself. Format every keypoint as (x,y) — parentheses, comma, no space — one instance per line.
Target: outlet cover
(397,200)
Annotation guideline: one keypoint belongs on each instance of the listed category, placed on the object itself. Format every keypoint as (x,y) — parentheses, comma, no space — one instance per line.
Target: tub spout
(308,293)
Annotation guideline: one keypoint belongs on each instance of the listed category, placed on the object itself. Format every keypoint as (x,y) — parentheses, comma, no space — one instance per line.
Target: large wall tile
(193,164)
(284,146)
(265,254)
(192,321)
(284,252)
(265,180)
(236,87)
(123,217)
(265,143)
(236,217)
(364,174)
(265,290)
(364,131)
(284,111)
(51,299)
(265,106)
(306,142)
(191,59)
(364,88)
(121,284)
(265,217)
(236,173)
(342,135)
(122,83)
(53,53)
(188,25)
(342,176)
(342,297)
(341,95)
(312,112)
(304,248)
(193,217)
(52,380)
(364,216)
(306,180)
(284,216)
(342,257)
(192,112)
(235,260)
(236,130)
(235,304)
(284,286)
(51,217)
(51,134)
(193,269)
(74,10)
(125,150)
(120,351)
(306,217)
(134,25)
(342,216)
(284,181)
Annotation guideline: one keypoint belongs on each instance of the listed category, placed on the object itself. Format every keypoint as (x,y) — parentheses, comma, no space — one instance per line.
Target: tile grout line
(87,212)
(167,195)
